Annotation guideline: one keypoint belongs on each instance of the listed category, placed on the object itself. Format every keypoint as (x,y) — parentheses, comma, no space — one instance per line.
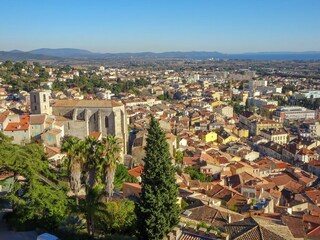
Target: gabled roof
(215,215)
(249,228)
(295,225)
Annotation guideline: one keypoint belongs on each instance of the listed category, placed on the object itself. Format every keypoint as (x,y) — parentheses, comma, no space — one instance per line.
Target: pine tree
(158,212)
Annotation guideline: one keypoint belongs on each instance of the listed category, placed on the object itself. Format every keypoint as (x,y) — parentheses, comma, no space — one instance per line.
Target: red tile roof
(23,125)
(314,234)
(3,116)
(136,172)
(95,135)
(190,160)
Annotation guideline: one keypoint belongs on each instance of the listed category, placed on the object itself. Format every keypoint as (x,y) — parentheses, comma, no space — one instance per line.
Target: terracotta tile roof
(214,215)
(87,103)
(23,125)
(249,228)
(37,119)
(314,234)
(52,151)
(314,196)
(190,160)
(295,225)
(237,200)
(5,175)
(314,163)
(282,165)
(294,187)
(305,151)
(95,135)
(190,236)
(3,116)
(311,219)
(280,179)
(206,157)
(136,172)
(222,160)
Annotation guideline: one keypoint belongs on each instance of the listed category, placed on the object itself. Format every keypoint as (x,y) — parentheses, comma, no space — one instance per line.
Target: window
(44,98)
(35,108)
(251,195)
(35,98)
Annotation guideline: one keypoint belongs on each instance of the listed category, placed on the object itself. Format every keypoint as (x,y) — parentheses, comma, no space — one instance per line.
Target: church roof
(87,103)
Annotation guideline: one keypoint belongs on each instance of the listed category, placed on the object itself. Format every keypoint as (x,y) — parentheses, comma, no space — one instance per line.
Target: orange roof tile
(95,135)
(23,125)
(3,116)
(136,172)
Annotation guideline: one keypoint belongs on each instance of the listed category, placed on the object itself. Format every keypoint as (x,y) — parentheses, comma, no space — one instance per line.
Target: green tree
(34,198)
(122,176)
(195,175)
(91,207)
(111,157)
(93,159)
(75,150)
(119,217)
(179,156)
(157,210)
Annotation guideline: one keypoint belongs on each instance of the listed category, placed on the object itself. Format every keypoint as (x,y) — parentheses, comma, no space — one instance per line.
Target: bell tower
(40,104)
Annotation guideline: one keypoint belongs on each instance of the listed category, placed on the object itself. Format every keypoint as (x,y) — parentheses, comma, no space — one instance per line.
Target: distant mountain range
(72,53)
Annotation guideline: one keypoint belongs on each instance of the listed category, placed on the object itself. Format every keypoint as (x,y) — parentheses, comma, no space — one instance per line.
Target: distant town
(242,137)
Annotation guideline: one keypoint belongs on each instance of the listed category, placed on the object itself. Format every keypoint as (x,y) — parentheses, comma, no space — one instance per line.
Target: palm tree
(91,207)
(94,158)
(75,150)
(111,157)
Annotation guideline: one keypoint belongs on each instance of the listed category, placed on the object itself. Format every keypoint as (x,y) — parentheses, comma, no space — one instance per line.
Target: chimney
(229,218)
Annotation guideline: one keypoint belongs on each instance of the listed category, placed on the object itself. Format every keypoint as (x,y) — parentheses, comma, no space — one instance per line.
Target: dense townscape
(161,149)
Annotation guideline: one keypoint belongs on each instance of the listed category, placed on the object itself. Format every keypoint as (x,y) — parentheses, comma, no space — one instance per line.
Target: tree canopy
(32,197)
(157,210)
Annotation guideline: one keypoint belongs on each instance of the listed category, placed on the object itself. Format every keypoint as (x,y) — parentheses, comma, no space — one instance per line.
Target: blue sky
(229,26)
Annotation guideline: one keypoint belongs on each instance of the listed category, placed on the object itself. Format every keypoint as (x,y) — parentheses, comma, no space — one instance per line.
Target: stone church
(84,117)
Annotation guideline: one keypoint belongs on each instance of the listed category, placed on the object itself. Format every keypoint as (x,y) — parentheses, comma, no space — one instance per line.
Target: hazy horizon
(125,26)
(101,52)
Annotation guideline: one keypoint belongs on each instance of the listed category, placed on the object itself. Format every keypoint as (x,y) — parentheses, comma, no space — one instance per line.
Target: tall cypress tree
(158,212)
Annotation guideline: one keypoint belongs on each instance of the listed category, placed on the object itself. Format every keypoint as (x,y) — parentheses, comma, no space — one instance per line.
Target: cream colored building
(279,136)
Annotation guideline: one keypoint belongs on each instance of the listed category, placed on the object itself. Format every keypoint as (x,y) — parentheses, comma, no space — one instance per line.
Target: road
(5,234)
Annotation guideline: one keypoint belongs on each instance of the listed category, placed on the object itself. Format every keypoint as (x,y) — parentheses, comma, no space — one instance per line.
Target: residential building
(279,136)
(291,113)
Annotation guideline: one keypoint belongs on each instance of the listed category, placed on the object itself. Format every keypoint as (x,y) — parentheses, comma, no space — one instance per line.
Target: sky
(227,26)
